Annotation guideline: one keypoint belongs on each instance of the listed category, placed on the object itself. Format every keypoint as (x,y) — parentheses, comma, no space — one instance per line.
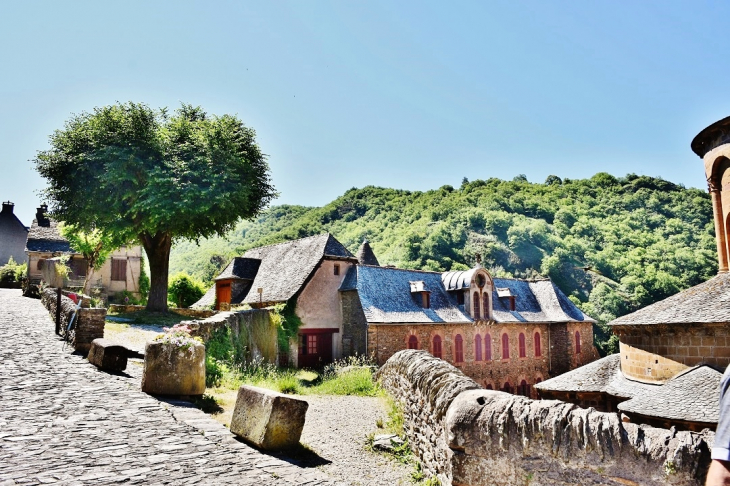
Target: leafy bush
(12,273)
(185,290)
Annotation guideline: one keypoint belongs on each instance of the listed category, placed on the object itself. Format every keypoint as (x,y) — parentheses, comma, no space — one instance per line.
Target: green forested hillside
(612,244)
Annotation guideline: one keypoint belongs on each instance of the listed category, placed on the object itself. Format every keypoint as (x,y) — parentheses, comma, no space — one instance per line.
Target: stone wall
(253,332)
(89,324)
(354,324)
(556,354)
(194,313)
(657,352)
(466,435)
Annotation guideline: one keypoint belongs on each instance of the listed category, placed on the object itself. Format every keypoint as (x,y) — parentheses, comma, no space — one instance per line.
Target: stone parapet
(194,313)
(466,435)
(89,324)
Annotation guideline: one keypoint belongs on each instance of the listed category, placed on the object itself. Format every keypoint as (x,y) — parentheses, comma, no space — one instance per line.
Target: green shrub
(184,290)
(12,273)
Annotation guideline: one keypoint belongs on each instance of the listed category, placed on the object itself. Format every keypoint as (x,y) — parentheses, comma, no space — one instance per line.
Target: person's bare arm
(718,474)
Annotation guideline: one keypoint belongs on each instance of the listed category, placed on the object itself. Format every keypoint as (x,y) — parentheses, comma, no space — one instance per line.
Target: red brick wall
(384,340)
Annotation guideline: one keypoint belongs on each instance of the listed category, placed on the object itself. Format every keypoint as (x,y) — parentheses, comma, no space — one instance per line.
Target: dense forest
(612,244)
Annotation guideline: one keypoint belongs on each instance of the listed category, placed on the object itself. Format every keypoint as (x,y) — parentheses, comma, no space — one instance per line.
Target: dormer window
(506,293)
(420,292)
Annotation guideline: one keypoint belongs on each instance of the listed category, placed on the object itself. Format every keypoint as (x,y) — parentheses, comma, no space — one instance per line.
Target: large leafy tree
(142,174)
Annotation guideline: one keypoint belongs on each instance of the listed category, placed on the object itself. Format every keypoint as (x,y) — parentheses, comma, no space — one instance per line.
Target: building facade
(13,234)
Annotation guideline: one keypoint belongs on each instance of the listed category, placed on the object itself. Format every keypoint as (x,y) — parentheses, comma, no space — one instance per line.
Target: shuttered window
(437,346)
(119,270)
(478,347)
(412,342)
(522,347)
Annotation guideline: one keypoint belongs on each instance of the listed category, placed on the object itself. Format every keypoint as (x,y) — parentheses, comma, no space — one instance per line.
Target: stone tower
(713,145)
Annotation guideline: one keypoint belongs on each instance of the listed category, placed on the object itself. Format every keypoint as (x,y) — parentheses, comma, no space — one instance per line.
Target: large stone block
(268,420)
(173,370)
(107,355)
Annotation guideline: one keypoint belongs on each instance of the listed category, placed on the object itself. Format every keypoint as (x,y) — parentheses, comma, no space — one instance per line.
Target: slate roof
(385,295)
(365,255)
(283,268)
(240,268)
(692,395)
(13,235)
(535,301)
(46,238)
(704,303)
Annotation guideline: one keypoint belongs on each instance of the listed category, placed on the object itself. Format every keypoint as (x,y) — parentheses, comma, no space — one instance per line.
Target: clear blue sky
(410,95)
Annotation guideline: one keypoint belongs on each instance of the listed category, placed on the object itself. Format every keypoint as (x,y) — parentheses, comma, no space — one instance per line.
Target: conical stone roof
(365,255)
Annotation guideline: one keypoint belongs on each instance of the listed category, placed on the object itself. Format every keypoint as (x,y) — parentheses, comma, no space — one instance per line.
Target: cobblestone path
(63,421)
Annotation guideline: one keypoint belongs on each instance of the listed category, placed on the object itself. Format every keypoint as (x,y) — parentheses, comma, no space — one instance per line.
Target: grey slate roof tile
(385,295)
(240,268)
(692,395)
(703,303)
(46,238)
(535,301)
(366,256)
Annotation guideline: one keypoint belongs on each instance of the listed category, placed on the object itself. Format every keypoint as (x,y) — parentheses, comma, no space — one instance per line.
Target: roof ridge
(400,269)
(285,242)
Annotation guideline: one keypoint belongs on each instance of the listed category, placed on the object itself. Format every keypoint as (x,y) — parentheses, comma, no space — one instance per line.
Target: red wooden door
(315,349)
(223,294)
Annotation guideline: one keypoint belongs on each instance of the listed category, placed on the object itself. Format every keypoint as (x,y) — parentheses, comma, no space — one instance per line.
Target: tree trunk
(157,248)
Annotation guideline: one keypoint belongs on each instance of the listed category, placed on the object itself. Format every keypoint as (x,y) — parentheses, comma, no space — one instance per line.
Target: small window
(311,343)
(119,270)
(478,347)
(412,342)
(488,347)
(460,298)
(577,342)
(538,345)
(505,346)
(458,349)
(507,388)
(41,264)
(521,342)
(475,304)
(337,269)
(437,346)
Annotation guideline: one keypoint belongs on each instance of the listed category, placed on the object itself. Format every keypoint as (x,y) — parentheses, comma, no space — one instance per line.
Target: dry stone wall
(466,435)
(90,323)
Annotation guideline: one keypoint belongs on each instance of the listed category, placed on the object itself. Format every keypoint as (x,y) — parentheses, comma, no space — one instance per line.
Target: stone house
(673,352)
(119,273)
(505,333)
(13,234)
(304,273)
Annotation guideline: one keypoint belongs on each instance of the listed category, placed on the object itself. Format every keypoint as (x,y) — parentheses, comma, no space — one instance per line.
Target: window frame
(458,349)
(436,347)
(521,345)
(505,345)
(478,347)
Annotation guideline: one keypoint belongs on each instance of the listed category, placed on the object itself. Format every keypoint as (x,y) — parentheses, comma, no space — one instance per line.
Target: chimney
(8,207)
(713,145)
(40,215)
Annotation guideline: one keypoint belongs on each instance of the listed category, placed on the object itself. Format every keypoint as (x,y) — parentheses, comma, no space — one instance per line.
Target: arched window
(412,342)
(486,306)
(458,349)
(475,304)
(577,342)
(538,345)
(478,347)
(489,386)
(437,346)
(488,347)
(524,389)
(506,387)
(522,347)
(505,346)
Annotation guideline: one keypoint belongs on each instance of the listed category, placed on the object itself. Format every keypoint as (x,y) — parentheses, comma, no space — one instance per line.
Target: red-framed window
(577,342)
(507,388)
(522,348)
(488,347)
(524,389)
(489,387)
(437,346)
(458,349)
(538,345)
(505,346)
(478,347)
(486,306)
(475,305)
(311,343)
(412,342)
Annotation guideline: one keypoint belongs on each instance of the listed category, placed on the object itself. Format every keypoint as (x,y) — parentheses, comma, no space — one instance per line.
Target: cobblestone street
(62,421)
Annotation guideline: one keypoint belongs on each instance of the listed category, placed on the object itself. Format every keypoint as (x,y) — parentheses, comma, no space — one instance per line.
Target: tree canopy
(612,244)
(137,173)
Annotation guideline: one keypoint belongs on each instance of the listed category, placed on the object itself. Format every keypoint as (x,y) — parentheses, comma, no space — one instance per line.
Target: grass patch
(208,404)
